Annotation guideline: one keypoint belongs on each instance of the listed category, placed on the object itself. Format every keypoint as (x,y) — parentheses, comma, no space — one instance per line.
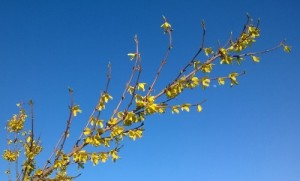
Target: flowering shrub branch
(100,139)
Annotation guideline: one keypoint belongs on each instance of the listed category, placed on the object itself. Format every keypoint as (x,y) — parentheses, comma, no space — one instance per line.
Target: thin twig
(134,68)
(163,62)
(196,54)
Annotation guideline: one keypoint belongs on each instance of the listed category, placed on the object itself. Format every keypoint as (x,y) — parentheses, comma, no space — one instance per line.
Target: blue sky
(246,133)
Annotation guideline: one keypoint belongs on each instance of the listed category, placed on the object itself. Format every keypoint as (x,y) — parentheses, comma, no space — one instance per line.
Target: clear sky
(247,133)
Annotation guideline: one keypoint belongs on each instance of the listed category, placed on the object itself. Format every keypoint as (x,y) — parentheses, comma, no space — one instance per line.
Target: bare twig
(134,69)
(163,62)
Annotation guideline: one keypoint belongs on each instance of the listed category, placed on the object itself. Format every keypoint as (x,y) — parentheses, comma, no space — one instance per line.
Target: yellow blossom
(287,49)
(208,51)
(255,58)
(141,86)
(80,156)
(130,89)
(117,131)
(232,78)
(221,80)
(175,109)
(95,158)
(131,55)
(185,107)
(87,131)
(207,67)
(114,155)
(205,81)
(75,109)
(103,157)
(166,26)
(199,108)
(10,156)
(133,134)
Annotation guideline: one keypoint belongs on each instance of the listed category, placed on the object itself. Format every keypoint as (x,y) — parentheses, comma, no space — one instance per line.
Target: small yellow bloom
(185,107)
(103,157)
(75,109)
(175,109)
(141,86)
(10,156)
(232,78)
(80,156)
(114,155)
(287,49)
(199,108)
(208,51)
(131,55)
(133,134)
(95,158)
(205,81)
(87,131)
(130,90)
(255,59)
(166,26)
(221,80)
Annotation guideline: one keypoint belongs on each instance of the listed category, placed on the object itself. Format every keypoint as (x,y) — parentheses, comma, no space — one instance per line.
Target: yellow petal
(199,108)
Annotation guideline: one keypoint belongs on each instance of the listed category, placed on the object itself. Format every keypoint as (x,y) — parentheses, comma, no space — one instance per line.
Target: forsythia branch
(101,139)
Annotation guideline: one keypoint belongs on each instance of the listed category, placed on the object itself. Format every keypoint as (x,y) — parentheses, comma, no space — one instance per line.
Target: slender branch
(134,68)
(134,89)
(53,152)
(68,126)
(92,115)
(163,62)
(196,54)
(260,52)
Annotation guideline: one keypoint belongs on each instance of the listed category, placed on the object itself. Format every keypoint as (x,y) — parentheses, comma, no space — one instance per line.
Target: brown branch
(260,52)
(92,115)
(53,152)
(196,54)
(31,135)
(134,68)
(68,126)
(163,62)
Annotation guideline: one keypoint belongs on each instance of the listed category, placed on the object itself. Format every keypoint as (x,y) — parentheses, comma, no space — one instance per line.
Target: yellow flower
(205,81)
(114,155)
(113,121)
(175,109)
(38,172)
(130,90)
(117,131)
(199,108)
(255,58)
(87,131)
(166,26)
(195,82)
(287,49)
(10,156)
(207,67)
(103,157)
(131,55)
(141,86)
(232,78)
(253,31)
(208,51)
(221,80)
(130,118)
(75,109)
(185,107)
(133,134)
(80,157)
(95,158)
